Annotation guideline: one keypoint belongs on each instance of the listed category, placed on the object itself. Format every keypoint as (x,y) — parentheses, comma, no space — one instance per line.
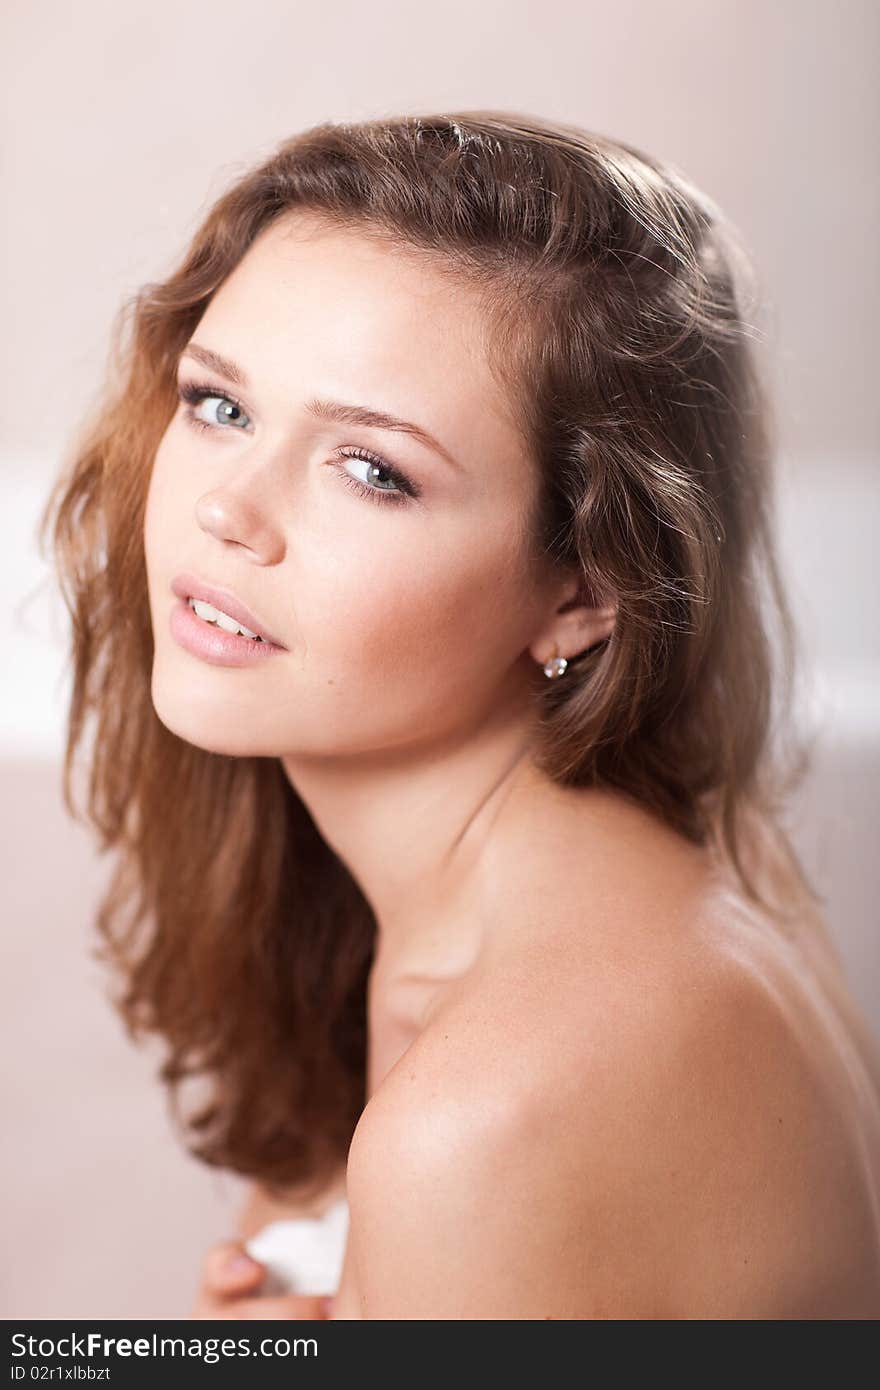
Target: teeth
(221,619)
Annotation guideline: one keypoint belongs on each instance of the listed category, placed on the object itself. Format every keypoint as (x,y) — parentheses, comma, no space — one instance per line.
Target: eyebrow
(320,408)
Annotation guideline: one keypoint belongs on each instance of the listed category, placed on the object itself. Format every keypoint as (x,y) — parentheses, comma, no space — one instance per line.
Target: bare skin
(665,995)
(598,1084)
(768,996)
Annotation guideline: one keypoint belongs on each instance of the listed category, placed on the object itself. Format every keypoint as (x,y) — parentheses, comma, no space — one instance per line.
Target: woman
(454,865)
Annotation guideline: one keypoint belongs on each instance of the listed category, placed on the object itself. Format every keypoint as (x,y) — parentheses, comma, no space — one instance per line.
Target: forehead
(314,308)
(303,267)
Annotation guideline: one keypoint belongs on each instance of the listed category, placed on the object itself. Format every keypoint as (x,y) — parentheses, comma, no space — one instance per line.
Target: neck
(411,825)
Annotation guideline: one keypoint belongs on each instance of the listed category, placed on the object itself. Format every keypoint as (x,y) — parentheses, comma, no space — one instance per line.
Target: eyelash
(193,394)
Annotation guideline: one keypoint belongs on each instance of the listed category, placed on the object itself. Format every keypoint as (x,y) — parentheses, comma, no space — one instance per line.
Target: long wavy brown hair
(619,299)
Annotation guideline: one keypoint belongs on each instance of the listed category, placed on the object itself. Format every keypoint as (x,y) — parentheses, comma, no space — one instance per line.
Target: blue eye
(194,394)
(402,489)
(231,412)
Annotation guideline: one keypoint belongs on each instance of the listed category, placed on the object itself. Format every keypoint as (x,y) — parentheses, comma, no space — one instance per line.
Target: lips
(188,586)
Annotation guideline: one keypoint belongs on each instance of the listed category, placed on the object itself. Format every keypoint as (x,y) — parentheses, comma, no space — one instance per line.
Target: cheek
(160,511)
(156,522)
(409,614)
(166,545)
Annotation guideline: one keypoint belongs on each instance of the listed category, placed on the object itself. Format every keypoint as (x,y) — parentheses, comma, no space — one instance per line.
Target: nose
(236,519)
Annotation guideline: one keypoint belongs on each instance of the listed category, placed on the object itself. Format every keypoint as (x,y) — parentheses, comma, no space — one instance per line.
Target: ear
(574,624)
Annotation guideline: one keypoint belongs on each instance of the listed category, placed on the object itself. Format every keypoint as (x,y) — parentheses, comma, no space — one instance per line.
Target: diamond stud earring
(556,666)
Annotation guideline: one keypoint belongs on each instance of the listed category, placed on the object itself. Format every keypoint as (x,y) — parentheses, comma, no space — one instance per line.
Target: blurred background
(122,124)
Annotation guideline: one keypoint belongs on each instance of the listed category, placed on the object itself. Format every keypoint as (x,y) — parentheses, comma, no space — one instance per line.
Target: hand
(230,1289)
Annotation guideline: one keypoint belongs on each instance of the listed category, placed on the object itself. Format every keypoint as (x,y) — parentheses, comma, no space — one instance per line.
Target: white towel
(304,1255)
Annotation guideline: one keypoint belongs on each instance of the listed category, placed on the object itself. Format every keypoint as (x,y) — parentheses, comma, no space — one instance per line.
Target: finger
(302,1307)
(229,1269)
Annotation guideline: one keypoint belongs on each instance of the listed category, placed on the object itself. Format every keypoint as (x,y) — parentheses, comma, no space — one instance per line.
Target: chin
(195,723)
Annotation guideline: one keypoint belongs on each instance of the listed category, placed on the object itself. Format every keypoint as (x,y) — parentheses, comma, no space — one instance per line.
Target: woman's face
(401,592)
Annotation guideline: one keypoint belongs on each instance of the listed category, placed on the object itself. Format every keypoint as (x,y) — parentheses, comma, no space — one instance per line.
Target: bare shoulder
(625,1127)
